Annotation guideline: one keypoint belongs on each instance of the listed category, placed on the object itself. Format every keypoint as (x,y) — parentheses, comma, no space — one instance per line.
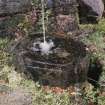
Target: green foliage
(101,100)
(3,55)
(12,22)
(101,25)
(97,41)
(40,97)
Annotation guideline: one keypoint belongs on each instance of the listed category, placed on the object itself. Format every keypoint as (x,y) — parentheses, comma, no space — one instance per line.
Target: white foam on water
(46,47)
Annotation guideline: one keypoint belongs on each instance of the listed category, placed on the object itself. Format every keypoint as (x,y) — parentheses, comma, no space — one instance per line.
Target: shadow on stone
(94,73)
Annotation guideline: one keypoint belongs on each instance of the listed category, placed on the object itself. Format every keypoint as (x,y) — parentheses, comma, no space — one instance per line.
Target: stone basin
(66,64)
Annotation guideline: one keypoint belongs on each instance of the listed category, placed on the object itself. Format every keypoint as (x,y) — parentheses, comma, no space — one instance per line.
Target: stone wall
(13,6)
(11,13)
(64,18)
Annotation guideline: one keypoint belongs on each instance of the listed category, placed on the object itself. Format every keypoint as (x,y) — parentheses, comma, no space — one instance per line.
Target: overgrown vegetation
(96,45)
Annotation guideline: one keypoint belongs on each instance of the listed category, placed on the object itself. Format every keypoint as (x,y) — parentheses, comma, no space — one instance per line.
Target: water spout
(43,21)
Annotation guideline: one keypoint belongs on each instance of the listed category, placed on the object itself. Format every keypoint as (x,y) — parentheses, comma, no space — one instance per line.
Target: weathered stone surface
(64,18)
(66,64)
(16,97)
(13,6)
(9,18)
(88,9)
(8,24)
(91,8)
